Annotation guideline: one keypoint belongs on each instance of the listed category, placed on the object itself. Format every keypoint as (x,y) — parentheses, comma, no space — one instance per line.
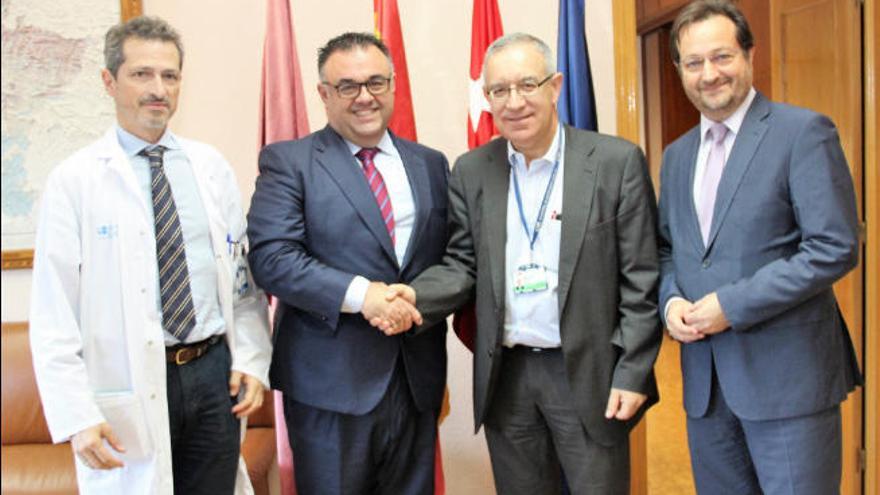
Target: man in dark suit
(552,229)
(757,221)
(345,205)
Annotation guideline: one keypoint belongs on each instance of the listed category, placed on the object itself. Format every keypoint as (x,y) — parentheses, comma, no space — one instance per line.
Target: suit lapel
(579,181)
(495,217)
(417,174)
(332,154)
(692,149)
(747,140)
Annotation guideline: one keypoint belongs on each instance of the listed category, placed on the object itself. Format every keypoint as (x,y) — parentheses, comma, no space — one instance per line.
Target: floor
(669,469)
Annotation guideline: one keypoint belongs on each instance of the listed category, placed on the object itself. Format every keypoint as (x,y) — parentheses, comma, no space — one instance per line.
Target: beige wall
(220,98)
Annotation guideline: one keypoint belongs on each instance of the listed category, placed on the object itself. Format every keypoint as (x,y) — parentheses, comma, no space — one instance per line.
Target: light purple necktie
(711,178)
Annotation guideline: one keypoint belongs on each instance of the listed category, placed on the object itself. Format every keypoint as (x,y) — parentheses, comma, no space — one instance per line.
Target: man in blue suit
(346,205)
(757,221)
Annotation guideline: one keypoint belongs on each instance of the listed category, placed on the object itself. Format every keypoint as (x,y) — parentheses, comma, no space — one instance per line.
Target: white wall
(219,105)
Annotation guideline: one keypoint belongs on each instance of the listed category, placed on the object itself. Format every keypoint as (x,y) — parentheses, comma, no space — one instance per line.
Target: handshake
(391,308)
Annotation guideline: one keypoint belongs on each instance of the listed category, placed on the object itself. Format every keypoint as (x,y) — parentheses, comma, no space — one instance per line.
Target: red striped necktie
(377,185)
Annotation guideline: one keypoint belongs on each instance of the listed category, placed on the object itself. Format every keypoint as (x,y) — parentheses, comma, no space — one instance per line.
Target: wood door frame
(626,70)
(871,58)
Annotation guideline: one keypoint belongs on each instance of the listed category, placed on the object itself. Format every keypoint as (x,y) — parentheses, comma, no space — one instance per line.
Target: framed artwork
(52,101)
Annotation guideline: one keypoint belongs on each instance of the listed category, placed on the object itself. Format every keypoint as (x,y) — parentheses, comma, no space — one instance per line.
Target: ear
(324,92)
(750,55)
(556,86)
(109,82)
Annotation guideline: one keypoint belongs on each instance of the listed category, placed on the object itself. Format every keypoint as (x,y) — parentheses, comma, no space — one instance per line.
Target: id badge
(529,277)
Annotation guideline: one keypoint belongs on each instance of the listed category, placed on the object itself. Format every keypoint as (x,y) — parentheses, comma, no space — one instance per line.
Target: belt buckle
(177,357)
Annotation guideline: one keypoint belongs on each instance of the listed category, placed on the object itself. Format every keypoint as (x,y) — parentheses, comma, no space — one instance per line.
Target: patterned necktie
(711,178)
(178,312)
(377,185)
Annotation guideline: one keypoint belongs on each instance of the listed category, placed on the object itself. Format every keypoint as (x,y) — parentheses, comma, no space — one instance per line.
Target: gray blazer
(784,229)
(608,272)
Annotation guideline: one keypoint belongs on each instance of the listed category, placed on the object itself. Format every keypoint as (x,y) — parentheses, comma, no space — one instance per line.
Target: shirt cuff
(355,295)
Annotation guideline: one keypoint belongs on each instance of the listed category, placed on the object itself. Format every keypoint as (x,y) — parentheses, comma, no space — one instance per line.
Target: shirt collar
(386,145)
(515,157)
(734,122)
(132,145)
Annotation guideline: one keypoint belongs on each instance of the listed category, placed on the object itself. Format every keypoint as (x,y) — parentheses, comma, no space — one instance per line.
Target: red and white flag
(282,117)
(387,18)
(485,28)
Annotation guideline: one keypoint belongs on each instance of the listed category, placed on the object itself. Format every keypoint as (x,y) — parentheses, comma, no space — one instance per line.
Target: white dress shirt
(532,319)
(390,166)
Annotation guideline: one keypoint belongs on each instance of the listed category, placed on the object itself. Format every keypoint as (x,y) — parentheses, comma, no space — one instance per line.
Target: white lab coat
(95,330)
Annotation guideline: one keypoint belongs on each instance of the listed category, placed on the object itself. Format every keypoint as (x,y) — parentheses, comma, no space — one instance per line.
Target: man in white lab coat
(150,340)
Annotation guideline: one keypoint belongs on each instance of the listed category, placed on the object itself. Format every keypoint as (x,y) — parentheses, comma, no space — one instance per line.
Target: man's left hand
(623,404)
(253,393)
(706,315)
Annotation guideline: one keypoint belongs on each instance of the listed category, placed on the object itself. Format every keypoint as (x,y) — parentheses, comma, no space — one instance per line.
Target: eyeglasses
(347,89)
(525,88)
(696,64)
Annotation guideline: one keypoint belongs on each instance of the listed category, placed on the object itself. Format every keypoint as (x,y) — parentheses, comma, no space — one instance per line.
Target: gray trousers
(534,433)
(731,455)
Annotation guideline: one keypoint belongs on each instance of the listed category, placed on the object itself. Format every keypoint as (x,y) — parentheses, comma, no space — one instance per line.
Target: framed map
(53,102)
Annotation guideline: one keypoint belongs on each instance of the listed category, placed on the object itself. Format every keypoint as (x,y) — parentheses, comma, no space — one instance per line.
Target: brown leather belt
(183,353)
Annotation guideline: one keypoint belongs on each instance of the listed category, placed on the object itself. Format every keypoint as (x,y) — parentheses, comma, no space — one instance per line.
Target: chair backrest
(265,415)
(22,418)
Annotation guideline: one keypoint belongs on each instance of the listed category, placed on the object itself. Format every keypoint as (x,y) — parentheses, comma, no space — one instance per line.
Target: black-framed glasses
(376,85)
(525,88)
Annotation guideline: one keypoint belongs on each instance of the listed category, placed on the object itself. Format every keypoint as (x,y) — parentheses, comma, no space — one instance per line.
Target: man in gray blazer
(757,221)
(552,229)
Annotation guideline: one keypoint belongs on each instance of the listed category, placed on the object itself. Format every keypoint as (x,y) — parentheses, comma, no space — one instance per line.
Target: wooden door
(817,64)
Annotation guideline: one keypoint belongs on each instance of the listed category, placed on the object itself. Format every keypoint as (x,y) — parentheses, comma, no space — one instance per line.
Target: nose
(157,86)
(709,72)
(363,96)
(514,99)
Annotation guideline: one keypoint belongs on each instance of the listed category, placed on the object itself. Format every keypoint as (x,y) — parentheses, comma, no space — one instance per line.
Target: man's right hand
(678,329)
(391,315)
(89,446)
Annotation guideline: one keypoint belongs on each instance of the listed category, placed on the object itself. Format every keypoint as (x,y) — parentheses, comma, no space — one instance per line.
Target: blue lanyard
(543,210)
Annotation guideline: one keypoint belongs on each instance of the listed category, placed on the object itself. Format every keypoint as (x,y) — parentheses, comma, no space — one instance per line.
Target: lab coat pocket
(125,414)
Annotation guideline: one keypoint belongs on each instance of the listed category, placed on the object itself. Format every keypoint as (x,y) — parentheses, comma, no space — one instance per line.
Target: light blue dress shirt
(532,319)
(193,222)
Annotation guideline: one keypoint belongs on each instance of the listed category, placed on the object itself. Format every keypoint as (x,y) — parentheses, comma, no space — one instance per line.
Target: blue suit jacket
(784,229)
(313,225)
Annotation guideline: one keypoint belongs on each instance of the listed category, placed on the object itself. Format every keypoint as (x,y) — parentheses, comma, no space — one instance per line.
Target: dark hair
(347,42)
(700,10)
(145,28)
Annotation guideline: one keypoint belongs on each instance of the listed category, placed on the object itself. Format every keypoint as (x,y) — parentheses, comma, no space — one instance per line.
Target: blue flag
(577,105)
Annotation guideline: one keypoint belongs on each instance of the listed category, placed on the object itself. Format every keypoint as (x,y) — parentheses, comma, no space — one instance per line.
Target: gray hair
(142,27)
(521,38)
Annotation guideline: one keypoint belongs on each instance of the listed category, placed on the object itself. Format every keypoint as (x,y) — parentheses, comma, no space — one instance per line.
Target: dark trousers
(204,432)
(534,433)
(388,451)
(731,455)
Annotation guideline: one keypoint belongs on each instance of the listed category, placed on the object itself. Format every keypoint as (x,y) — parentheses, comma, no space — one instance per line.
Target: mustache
(150,99)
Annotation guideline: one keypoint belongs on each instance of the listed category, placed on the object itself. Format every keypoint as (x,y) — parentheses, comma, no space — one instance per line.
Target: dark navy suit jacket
(313,225)
(784,230)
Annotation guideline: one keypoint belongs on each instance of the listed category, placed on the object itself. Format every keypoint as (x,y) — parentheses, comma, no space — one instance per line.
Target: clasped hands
(391,308)
(689,322)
